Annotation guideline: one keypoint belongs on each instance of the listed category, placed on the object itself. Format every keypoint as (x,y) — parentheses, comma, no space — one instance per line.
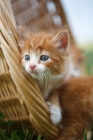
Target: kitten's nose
(32,66)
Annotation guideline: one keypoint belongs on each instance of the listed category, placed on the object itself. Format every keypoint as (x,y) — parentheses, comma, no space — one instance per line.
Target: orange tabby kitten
(76,69)
(45,57)
(76,100)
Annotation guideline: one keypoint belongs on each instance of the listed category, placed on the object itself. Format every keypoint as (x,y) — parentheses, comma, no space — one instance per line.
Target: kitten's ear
(61,40)
(23,35)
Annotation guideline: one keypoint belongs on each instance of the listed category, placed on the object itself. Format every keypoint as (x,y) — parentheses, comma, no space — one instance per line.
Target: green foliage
(85,135)
(17,135)
(7,132)
(89,62)
(1,115)
(14,136)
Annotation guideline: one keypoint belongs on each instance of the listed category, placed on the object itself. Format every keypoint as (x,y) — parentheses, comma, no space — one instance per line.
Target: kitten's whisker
(39,81)
(47,73)
(51,76)
(41,78)
(45,78)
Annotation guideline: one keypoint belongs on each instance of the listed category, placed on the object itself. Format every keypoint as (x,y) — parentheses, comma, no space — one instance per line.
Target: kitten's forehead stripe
(39,42)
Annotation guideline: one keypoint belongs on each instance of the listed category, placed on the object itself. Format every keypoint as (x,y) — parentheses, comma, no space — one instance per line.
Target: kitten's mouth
(32,71)
(34,74)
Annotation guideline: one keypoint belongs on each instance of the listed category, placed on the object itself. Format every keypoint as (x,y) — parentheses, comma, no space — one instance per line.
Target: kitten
(76,99)
(45,57)
(76,69)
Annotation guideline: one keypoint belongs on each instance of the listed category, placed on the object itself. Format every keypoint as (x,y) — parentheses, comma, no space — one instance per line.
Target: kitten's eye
(27,57)
(44,57)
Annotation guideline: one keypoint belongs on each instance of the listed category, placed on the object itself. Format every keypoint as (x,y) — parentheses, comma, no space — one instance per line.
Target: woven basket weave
(40,15)
(20,98)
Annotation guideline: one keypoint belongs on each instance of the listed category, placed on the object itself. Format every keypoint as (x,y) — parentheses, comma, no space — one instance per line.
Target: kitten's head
(44,55)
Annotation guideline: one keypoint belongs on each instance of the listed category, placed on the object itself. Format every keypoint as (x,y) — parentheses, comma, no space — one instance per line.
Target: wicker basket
(38,15)
(20,98)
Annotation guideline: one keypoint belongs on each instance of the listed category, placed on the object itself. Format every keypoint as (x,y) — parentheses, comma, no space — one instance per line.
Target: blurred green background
(88,52)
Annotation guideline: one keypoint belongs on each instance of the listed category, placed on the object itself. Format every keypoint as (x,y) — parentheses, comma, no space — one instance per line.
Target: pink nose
(32,66)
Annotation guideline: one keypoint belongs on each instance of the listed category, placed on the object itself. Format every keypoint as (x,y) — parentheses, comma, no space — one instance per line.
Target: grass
(88,52)
(89,62)
(8,133)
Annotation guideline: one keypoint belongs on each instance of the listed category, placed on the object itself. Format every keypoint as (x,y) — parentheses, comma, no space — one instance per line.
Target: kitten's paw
(55,113)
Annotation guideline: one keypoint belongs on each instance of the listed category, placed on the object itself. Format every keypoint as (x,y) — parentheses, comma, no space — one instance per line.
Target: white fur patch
(34,58)
(55,113)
